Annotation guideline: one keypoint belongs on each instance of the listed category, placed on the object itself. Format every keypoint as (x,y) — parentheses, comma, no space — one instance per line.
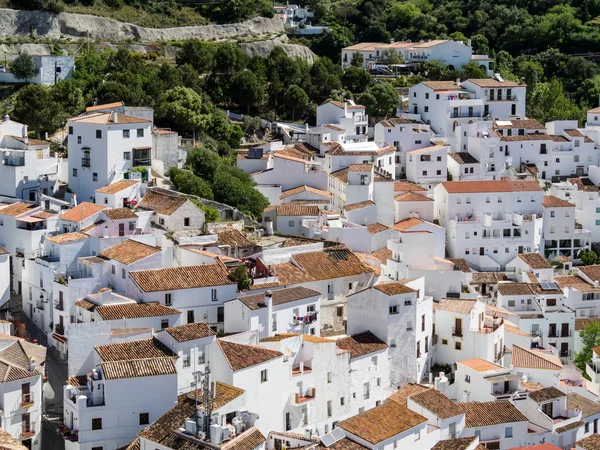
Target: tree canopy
(590,338)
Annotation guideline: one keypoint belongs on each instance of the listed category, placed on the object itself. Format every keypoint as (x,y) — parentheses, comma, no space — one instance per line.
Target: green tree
(548,102)
(35,106)
(588,258)
(356,79)
(182,107)
(70,95)
(480,44)
(229,58)
(23,67)
(331,44)
(188,183)
(200,55)
(210,214)
(240,276)
(391,57)
(246,90)
(203,162)
(590,338)
(358,60)
(434,70)
(380,100)
(295,97)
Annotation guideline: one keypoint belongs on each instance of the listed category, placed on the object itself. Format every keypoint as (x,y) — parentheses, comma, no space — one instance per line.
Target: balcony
(16,161)
(86,162)
(59,306)
(27,400)
(462,115)
(502,98)
(59,329)
(27,431)
(68,434)
(302,368)
(303,397)
(457,332)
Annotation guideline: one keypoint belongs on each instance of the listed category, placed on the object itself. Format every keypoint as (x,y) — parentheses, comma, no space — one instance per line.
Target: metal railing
(457,332)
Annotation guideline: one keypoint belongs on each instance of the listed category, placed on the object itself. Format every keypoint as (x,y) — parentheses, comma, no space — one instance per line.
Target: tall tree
(183,108)
(23,67)
(35,106)
(246,90)
(590,338)
(295,97)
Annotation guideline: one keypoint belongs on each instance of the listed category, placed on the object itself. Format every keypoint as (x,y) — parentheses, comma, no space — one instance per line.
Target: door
(564,332)
(415,110)
(520,249)
(121,229)
(25,424)
(190,316)
(506,386)
(564,349)
(492,94)
(42,322)
(552,330)
(455,112)
(486,110)
(483,289)
(481,251)
(579,171)
(470,111)
(457,326)
(20,288)
(547,409)
(452,430)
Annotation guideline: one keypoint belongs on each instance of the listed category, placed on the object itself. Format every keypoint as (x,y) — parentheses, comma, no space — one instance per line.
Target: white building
(478,380)
(104,147)
(428,165)
(119,194)
(537,366)
(351,118)
(172,212)
(560,236)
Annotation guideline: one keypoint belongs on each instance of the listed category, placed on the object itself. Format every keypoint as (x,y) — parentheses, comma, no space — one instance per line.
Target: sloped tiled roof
(480,365)
(361,344)
(455,444)
(401,395)
(382,422)
(588,407)
(551,201)
(280,337)
(377,227)
(460,264)
(161,203)
(183,277)
(16,209)
(523,357)
(436,402)
(129,252)
(463,158)
(81,212)
(136,368)
(123,351)
(412,197)
(104,106)
(293,209)
(190,331)
(459,306)
(134,311)
(514,289)
(65,238)
(231,235)
(591,442)
(407,224)
(458,187)
(120,214)
(394,288)
(483,414)
(117,186)
(241,356)
(535,260)
(359,205)
(401,186)
(546,394)
(592,272)
(8,442)
(14,363)
(304,188)
(581,324)
(106,118)
(280,297)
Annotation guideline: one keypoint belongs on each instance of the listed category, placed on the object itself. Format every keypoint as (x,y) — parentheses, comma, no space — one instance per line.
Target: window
(97,424)
(439,172)
(423,322)
(427,95)
(164,324)
(587,427)
(340,311)
(79,139)
(418,142)
(190,316)
(394,309)
(511,303)
(458,345)
(329,377)
(95,176)
(427,109)
(168,299)
(424,173)
(70,130)
(263,376)
(126,156)
(444,341)
(552,213)
(140,132)
(113,269)
(125,134)
(467,378)
(161,221)
(98,134)
(186,221)
(144,418)
(439,158)
(508,432)
(213,295)
(131,224)
(75,172)
(342,401)
(407,302)
(122,273)
(329,408)
(374,360)
(379,381)
(291,223)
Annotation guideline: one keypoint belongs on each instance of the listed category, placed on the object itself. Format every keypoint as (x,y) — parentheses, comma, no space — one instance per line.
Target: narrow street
(53,388)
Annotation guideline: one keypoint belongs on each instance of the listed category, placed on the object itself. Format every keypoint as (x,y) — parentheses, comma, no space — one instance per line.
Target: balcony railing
(306,396)
(27,431)
(59,329)
(27,400)
(86,162)
(464,115)
(59,306)
(457,332)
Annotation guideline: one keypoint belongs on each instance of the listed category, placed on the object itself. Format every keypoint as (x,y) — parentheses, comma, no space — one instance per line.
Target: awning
(501,378)
(59,338)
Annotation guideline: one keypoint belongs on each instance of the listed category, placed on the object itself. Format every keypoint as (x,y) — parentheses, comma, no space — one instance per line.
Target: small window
(340,311)
(329,377)
(213,295)
(95,176)
(144,418)
(168,299)
(97,424)
(126,156)
(342,401)
(98,134)
(123,273)
(164,323)
(458,345)
(394,309)
(263,376)
(79,139)
(131,225)
(161,221)
(125,134)
(374,360)
(75,172)
(113,269)
(444,341)
(186,222)
(140,132)
(291,223)
(508,432)
(70,130)
(379,381)
(467,378)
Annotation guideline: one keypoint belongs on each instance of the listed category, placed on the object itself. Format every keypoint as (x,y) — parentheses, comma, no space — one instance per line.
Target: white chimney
(115,117)
(458,81)
(235,249)
(469,43)
(73,200)
(6,118)
(269,303)
(31,366)
(345,108)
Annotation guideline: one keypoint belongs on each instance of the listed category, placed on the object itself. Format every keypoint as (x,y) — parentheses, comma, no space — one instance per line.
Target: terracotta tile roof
(296,152)
(515,330)
(523,357)
(487,277)
(576,282)
(330,263)
(463,158)
(514,289)
(583,184)
(135,311)
(455,305)
(360,167)
(316,339)
(592,272)
(581,324)
(377,227)
(129,252)
(436,402)
(106,118)
(407,224)
(16,209)
(574,133)
(460,264)
(336,149)
(394,288)
(247,440)
(480,365)
(588,407)
(43,215)
(291,209)
(531,386)
(492,83)
(304,188)
(546,394)
(117,186)
(455,444)
(161,203)
(8,442)
(402,186)
(67,237)
(280,297)
(224,393)
(536,288)
(361,344)
(527,137)
(569,427)
(104,106)
(92,226)
(123,351)
(89,306)
(349,106)
(190,331)
(78,380)
(460,187)
(343,444)
(230,235)
(136,368)
(287,274)
(333,127)
(408,390)
(184,277)
(341,175)
(81,212)
(527,124)
(496,309)
(241,356)
(535,260)
(14,363)
(120,214)
(550,201)
(280,337)
(591,442)
(483,414)
(442,85)
(359,205)
(382,422)
(135,445)
(412,197)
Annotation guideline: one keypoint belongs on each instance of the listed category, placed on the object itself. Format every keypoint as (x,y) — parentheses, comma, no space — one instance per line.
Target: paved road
(53,389)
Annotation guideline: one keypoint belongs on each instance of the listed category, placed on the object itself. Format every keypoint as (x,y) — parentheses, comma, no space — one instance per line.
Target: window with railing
(86,161)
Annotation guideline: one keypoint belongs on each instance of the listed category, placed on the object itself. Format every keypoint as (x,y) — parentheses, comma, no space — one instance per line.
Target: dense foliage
(590,338)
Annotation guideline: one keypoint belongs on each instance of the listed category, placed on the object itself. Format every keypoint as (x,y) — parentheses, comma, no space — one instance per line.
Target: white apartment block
(560,235)
(105,147)
(479,380)
(428,165)
(489,222)
(350,119)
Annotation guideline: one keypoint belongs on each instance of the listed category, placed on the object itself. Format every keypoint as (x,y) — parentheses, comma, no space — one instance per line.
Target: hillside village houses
(414,283)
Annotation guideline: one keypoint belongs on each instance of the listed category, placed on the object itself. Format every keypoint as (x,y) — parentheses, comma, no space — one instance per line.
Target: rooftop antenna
(207,399)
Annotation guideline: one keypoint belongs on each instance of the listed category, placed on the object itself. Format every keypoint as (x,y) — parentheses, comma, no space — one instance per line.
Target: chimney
(269,304)
(115,117)
(469,43)
(6,118)
(345,108)
(73,200)
(458,81)
(31,366)
(235,249)
(306,127)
